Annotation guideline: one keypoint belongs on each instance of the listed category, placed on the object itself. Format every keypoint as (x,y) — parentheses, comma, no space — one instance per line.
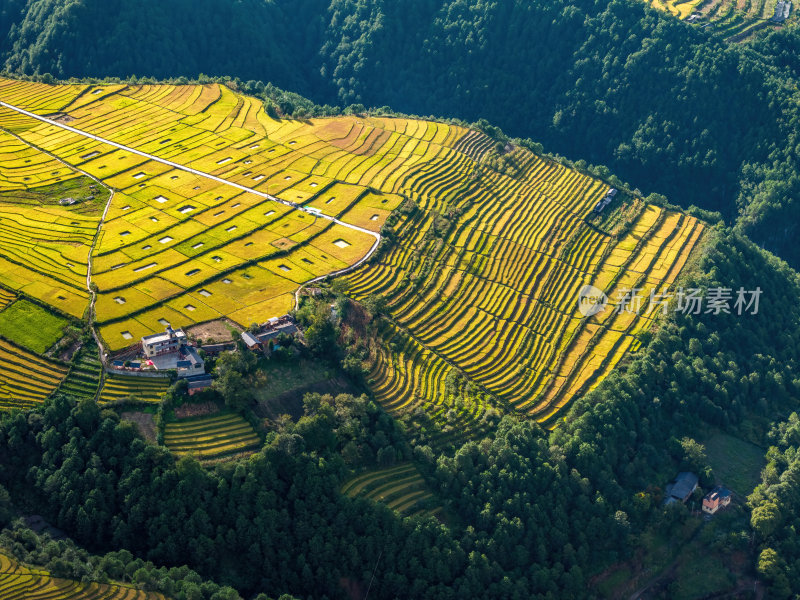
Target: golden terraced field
(212,437)
(401,488)
(18,582)
(495,298)
(735,20)
(481,281)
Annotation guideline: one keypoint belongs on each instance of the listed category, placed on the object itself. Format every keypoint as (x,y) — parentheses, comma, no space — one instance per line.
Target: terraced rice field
(84,376)
(6,298)
(212,437)
(735,20)
(44,250)
(401,488)
(481,284)
(44,253)
(495,298)
(183,247)
(18,582)
(26,379)
(121,387)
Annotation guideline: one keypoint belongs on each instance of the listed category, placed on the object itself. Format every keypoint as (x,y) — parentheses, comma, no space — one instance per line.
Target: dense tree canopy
(281,516)
(530,514)
(776,511)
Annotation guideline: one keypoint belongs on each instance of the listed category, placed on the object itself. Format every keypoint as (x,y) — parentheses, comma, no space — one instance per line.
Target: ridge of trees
(531,514)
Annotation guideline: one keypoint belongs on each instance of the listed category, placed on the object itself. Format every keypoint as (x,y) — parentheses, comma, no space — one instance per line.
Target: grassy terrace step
(147,389)
(83,379)
(211,436)
(401,488)
(18,582)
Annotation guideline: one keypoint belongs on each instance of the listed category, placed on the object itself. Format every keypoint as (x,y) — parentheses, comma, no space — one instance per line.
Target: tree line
(530,514)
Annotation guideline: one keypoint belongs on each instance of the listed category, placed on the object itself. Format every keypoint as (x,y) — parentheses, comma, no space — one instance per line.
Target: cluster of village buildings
(171,351)
(684,485)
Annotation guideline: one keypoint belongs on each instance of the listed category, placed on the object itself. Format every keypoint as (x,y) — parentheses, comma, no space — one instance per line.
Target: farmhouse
(610,195)
(275,327)
(251,341)
(216,349)
(169,350)
(198,384)
(719,497)
(680,489)
(188,362)
(163,343)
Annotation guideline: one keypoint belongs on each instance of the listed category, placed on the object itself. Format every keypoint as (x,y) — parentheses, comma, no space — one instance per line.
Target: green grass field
(700,576)
(287,377)
(90,196)
(31,326)
(736,463)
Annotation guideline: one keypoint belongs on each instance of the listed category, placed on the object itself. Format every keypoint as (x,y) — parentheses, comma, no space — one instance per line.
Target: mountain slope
(614,83)
(221,210)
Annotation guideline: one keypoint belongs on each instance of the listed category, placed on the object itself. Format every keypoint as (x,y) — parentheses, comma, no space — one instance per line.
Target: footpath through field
(92,293)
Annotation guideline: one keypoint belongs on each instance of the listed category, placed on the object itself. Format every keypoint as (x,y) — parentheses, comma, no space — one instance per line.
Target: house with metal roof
(198,384)
(681,488)
(163,343)
(288,328)
(251,341)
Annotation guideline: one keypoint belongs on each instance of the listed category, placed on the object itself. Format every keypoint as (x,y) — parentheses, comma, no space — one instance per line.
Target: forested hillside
(427,485)
(565,502)
(775,516)
(671,109)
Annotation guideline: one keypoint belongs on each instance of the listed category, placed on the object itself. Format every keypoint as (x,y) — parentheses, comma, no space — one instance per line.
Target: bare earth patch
(185,411)
(218,330)
(144,422)
(284,243)
(61,117)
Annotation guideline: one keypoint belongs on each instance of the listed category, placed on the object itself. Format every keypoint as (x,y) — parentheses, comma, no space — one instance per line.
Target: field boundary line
(293,205)
(266,196)
(92,294)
